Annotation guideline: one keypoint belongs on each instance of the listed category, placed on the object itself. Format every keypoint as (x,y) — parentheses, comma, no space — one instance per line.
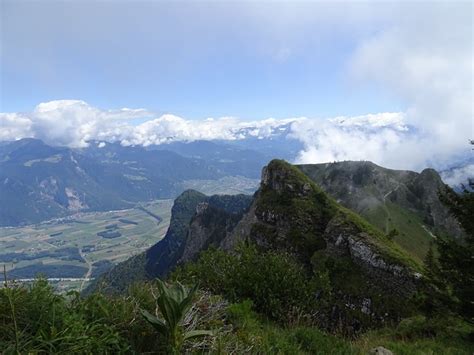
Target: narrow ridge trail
(386,208)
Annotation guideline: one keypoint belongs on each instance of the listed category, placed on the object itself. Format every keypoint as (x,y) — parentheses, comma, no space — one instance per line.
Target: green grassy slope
(412,237)
(394,201)
(309,212)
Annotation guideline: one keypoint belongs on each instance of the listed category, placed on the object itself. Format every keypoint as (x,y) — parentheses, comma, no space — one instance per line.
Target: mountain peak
(281,176)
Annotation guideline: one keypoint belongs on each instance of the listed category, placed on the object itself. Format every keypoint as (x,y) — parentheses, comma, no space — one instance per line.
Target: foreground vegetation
(36,320)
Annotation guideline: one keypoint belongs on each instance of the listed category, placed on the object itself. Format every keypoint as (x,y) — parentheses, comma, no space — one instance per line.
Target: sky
(141,71)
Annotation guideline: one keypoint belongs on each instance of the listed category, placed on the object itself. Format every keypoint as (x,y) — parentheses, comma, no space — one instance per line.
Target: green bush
(278,286)
(33,319)
(37,320)
(254,335)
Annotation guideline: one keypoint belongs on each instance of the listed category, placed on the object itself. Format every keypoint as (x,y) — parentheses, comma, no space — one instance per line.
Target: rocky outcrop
(197,222)
(209,227)
(291,213)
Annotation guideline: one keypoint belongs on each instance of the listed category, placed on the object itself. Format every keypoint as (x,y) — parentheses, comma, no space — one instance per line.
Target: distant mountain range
(39,182)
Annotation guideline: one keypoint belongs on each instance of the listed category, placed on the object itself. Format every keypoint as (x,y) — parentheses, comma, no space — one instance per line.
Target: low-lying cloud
(462,176)
(384,138)
(74,123)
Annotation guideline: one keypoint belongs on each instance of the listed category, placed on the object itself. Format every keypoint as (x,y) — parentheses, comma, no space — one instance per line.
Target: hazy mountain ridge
(40,182)
(225,158)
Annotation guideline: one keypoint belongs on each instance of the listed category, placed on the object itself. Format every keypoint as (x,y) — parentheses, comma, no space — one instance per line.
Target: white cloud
(73,123)
(67,122)
(427,62)
(423,56)
(384,138)
(169,128)
(457,176)
(375,137)
(14,126)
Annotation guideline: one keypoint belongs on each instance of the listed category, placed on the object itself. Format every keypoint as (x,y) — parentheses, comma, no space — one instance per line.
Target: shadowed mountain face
(39,182)
(288,213)
(403,204)
(197,222)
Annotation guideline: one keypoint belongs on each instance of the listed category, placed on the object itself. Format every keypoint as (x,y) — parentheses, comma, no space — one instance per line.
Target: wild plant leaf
(187,301)
(157,323)
(170,310)
(178,292)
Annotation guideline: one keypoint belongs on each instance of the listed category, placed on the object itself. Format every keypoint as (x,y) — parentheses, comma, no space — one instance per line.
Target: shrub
(278,285)
(34,320)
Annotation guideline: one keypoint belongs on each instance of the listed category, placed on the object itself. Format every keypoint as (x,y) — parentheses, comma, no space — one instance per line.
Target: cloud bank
(385,138)
(74,123)
(463,175)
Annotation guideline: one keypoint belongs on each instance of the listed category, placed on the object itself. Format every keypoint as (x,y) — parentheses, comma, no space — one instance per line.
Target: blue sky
(193,59)
(69,67)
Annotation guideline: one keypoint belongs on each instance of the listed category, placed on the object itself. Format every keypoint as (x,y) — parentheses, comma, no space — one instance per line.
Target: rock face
(197,222)
(163,256)
(209,226)
(389,276)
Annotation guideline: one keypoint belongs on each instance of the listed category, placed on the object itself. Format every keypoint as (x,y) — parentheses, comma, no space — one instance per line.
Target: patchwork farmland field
(70,251)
